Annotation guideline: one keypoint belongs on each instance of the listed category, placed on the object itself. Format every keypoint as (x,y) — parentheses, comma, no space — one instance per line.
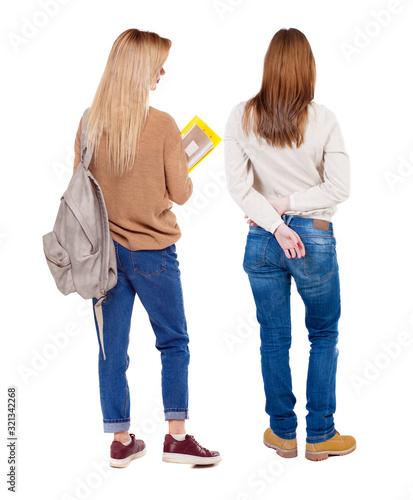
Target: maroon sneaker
(188,451)
(121,455)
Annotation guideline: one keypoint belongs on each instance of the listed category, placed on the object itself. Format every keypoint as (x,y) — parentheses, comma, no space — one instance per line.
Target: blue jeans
(155,276)
(317,281)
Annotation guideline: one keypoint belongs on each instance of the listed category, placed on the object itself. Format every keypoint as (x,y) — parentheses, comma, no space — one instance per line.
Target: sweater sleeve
(178,182)
(335,187)
(240,180)
(77,146)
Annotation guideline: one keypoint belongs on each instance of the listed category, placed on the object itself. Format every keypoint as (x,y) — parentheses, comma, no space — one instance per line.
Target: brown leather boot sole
(323,455)
(280,451)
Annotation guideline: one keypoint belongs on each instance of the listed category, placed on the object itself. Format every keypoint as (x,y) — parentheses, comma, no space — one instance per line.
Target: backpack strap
(99,316)
(86,154)
(100,292)
(100,295)
(106,240)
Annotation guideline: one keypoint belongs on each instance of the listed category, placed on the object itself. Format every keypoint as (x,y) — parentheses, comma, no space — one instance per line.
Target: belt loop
(287,219)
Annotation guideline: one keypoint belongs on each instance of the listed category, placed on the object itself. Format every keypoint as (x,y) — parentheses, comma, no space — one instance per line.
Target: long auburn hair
(121,103)
(279,112)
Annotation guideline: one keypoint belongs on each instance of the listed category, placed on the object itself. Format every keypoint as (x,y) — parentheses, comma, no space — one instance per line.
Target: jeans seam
(282,257)
(115,420)
(126,399)
(117,255)
(332,378)
(306,225)
(312,235)
(126,384)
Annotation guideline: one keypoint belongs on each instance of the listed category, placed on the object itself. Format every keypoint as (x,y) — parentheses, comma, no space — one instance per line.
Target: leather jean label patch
(321,224)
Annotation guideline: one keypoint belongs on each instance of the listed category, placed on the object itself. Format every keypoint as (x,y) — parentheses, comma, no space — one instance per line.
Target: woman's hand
(249,221)
(289,241)
(282,205)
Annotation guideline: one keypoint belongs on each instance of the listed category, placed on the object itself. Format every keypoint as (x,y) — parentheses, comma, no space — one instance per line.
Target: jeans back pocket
(255,249)
(148,262)
(319,258)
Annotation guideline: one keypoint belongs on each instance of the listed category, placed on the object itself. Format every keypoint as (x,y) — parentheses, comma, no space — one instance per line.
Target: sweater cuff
(275,225)
(293,204)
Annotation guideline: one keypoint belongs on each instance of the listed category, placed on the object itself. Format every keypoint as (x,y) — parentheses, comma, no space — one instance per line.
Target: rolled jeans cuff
(285,435)
(116,426)
(176,414)
(320,439)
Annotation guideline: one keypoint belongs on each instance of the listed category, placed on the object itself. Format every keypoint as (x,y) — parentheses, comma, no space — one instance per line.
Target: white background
(49,345)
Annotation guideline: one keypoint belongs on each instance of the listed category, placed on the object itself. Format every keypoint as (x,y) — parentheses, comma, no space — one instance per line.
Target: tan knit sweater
(139,202)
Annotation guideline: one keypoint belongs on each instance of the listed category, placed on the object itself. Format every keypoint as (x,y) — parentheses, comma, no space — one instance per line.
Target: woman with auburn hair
(287,169)
(140,164)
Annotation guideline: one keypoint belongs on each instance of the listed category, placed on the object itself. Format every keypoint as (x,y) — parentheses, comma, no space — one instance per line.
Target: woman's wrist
(282,205)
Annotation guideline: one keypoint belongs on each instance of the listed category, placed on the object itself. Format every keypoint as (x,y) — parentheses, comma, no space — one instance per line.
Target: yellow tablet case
(208,131)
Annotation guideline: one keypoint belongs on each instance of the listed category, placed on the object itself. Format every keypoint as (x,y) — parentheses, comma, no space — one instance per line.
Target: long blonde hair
(279,112)
(121,103)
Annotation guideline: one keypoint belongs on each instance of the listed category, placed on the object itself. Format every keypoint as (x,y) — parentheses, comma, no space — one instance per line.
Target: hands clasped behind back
(289,241)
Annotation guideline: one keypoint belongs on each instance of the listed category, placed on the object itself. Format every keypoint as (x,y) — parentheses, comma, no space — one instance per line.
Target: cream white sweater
(316,175)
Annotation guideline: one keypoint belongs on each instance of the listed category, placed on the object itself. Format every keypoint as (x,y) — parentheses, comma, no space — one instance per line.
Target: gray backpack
(80,251)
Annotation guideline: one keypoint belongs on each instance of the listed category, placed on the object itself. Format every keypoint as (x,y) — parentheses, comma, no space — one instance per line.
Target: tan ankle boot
(337,445)
(286,448)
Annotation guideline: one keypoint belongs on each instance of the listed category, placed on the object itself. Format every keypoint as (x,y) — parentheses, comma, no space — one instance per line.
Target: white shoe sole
(124,462)
(180,458)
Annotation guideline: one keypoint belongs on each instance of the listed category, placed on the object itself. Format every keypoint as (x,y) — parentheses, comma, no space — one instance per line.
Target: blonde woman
(287,169)
(140,163)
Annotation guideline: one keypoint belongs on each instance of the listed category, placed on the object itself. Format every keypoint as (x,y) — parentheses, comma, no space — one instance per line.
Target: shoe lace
(193,439)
